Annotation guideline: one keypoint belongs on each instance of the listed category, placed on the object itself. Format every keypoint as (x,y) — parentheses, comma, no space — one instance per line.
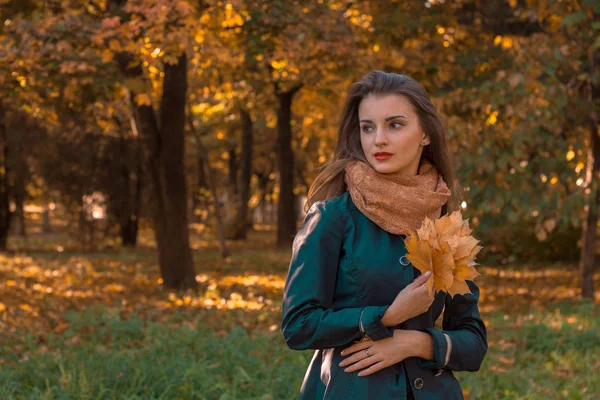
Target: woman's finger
(422,279)
(359,355)
(364,363)
(425,290)
(357,346)
(373,368)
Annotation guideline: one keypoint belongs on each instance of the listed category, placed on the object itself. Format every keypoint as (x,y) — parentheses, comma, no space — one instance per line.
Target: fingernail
(427,273)
(343,352)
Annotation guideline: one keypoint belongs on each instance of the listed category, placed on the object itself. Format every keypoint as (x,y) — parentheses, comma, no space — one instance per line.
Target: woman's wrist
(421,344)
(390,318)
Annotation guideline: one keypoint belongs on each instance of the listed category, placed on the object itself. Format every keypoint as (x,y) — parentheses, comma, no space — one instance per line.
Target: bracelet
(360,324)
(448,350)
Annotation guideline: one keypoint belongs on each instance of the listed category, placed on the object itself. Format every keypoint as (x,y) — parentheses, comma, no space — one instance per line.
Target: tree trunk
(46,224)
(164,153)
(19,217)
(592,196)
(232,216)
(232,190)
(19,174)
(131,204)
(245,175)
(286,214)
(224,251)
(208,175)
(588,249)
(200,195)
(263,180)
(84,235)
(4,185)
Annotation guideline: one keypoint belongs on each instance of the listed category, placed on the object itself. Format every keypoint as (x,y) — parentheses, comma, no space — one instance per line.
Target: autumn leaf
(142,99)
(446,248)
(419,254)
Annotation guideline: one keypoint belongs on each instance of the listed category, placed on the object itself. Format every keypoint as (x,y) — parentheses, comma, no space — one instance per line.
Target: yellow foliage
(156,52)
(171,60)
(25,307)
(492,118)
(113,287)
(114,45)
(554,22)
(570,155)
(542,102)
(279,64)
(507,42)
(199,108)
(143,99)
(271,121)
(445,247)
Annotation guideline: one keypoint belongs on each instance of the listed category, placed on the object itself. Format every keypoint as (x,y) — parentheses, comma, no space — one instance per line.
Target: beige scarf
(397,203)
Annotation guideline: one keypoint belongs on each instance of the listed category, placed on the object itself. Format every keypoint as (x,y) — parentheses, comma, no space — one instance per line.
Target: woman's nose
(381,137)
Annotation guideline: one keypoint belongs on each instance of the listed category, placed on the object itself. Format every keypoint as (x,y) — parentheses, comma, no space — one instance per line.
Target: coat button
(418,383)
(404,261)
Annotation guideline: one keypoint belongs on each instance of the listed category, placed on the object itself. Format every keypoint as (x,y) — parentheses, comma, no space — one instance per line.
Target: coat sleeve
(462,344)
(308,320)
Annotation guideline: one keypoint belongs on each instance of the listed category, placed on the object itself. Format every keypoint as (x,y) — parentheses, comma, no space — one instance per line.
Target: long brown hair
(330,181)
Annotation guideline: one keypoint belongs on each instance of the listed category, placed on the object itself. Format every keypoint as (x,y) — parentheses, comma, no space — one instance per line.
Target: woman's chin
(384,169)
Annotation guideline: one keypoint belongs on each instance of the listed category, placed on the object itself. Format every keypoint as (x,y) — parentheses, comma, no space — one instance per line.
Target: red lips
(380,156)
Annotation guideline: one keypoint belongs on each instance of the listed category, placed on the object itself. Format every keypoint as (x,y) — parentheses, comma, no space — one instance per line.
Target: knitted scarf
(397,203)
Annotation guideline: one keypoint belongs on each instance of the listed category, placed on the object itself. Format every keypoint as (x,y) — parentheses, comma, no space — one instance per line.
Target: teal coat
(342,264)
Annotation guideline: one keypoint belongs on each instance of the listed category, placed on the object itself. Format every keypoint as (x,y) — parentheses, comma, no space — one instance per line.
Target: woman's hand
(413,300)
(383,353)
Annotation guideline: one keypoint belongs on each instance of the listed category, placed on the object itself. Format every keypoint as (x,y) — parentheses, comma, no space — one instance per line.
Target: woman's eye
(366,128)
(396,125)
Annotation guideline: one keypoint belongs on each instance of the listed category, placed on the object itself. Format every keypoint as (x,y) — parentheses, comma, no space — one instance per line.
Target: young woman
(350,292)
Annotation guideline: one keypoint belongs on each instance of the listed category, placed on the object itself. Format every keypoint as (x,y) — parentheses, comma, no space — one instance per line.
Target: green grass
(550,355)
(136,359)
(542,355)
(144,342)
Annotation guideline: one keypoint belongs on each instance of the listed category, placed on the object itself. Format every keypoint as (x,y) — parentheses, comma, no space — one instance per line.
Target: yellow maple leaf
(446,248)
(462,273)
(419,254)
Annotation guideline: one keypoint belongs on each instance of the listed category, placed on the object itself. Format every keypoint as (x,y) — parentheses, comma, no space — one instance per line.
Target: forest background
(155,157)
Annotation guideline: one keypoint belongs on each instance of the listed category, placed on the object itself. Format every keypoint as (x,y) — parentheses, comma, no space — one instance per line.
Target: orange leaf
(419,254)
(443,265)
(445,247)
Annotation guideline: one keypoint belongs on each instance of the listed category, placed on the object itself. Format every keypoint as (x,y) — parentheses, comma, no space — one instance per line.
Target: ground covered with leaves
(79,325)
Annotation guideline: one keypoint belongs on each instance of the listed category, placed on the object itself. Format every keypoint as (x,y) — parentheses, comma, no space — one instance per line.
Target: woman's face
(389,124)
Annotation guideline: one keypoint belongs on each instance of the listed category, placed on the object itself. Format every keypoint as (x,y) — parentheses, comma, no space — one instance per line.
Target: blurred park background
(155,156)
